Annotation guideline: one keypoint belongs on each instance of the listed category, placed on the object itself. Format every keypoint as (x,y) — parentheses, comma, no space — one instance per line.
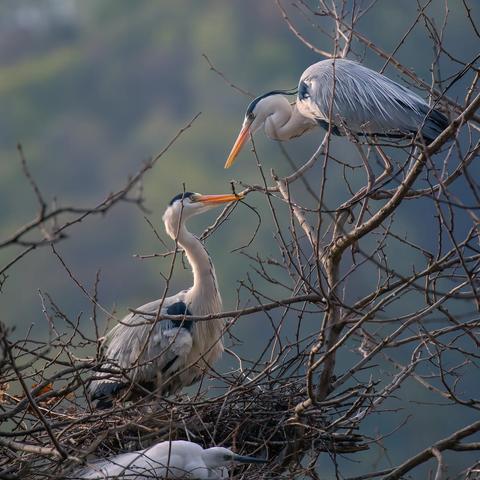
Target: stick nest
(250,418)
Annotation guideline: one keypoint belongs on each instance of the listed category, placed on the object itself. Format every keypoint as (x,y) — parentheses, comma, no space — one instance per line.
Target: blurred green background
(92,88)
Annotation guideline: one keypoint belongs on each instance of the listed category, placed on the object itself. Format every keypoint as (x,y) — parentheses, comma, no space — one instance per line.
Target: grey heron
(176,459)
(346,98)
(168,354)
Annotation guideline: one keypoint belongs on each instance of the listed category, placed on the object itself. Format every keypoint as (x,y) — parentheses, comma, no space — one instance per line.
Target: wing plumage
(176,459)
(363,101)
(141,352)
(134,465)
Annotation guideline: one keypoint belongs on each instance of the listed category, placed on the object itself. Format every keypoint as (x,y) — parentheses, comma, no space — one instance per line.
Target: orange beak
(218,198)
(243,136)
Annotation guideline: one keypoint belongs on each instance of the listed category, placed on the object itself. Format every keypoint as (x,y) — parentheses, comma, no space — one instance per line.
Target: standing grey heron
(168,354)
(346,98)
(176,459)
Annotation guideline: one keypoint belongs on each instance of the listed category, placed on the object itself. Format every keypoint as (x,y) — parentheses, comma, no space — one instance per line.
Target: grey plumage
(364,101)
(168,355)
(346,97)
(167,347)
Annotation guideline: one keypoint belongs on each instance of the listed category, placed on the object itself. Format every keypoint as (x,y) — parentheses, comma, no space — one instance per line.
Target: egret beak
(244,459)
(212,199)
(243,136)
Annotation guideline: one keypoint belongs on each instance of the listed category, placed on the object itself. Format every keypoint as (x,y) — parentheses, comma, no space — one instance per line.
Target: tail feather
(103,389)
(106,389)
(435,123)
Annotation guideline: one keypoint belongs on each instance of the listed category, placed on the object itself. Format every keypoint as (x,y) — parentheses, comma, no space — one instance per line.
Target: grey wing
(365,101)
(152,349)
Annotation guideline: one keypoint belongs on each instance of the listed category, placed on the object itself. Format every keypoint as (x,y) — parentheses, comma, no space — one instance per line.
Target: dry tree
(371,313)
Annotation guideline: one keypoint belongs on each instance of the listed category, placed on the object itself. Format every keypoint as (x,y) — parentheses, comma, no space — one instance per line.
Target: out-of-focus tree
(353,338)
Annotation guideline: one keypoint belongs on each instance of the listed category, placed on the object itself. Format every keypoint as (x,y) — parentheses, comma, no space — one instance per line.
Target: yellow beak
(218,198)
(243,136)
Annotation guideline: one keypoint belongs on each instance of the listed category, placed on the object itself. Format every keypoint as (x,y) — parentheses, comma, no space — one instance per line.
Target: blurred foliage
(91,88)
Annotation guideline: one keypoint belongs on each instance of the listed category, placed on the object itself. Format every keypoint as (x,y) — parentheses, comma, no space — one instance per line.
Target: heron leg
(372,181)
(368,170)
(364,191)
(387,172)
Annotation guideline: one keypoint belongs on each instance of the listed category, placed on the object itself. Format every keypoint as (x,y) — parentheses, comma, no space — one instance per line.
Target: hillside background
(92,88)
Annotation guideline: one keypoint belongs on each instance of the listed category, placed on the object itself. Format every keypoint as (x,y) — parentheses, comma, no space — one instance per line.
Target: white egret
(176,459)
(168,354)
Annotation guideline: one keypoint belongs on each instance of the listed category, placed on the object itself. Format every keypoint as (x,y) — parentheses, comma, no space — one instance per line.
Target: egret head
(187,204)
(256,115)
(219,456)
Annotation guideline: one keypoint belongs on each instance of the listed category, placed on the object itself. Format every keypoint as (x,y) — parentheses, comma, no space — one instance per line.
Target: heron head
(187,204)
(219,456)
(256,115)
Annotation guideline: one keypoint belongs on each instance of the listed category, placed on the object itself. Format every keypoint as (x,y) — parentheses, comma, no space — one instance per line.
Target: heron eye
(251,116)
(303,91)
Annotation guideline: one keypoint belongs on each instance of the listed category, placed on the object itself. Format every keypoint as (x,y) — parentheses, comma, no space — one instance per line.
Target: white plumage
(176,459)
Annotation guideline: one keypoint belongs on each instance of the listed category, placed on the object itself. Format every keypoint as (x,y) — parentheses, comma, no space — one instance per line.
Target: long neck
(204,292)
(286,122)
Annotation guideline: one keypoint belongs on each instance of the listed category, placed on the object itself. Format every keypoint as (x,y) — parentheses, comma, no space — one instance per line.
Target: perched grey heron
(346,98)
(176,459)
(168,354)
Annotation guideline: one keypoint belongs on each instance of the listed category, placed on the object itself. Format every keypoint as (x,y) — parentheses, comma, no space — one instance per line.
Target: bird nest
(254,418)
